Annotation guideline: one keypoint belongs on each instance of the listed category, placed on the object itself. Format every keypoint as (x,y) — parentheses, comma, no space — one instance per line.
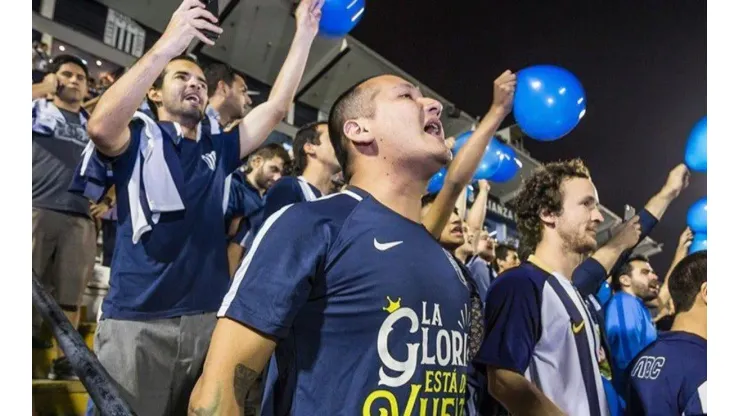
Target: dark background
(643,66)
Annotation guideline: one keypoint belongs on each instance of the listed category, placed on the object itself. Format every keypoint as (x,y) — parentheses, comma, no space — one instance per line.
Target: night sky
(644,69)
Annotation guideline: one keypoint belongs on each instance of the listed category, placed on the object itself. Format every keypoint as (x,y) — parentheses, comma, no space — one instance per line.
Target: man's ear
(549,218)
(358,132)
(155,96)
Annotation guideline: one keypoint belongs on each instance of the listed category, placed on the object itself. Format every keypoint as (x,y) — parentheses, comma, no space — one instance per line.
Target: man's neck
(555,256)
(402,195)
(189,127)
(693,322)
(250,177)
(217,102)
(319,176)
(71,107)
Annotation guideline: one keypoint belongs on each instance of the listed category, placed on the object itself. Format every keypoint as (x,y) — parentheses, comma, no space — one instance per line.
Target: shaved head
(386,124)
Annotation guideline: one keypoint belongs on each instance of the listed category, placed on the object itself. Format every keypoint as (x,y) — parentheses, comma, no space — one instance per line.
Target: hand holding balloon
(684,243)
(677,181)
(503,93)
(698,244)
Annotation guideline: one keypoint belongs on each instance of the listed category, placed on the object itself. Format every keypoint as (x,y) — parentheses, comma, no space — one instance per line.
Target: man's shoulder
(331,210)
(621,300)
(525,273)
(525,279)
(283,184)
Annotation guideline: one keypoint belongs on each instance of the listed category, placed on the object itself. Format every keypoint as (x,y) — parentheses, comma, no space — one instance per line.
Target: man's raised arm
(466,161)
(257,125)
(108,125)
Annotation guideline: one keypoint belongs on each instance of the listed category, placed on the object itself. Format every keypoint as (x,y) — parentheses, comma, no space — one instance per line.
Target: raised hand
(677,181)
(503,92)
(186,23)
(307,17)
(628,234)
(684,242)
(483,186)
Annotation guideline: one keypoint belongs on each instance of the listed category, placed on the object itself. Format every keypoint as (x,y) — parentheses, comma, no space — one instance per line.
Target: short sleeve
(231,149)
(697,403)
(625,329)
(123,164)
(513,323)
(275,278)
(283,193)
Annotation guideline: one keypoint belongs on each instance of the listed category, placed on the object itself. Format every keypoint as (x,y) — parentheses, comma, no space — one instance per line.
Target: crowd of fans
(247,280)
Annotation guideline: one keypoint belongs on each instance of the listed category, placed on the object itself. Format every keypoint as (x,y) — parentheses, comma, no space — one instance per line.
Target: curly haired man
(543,349)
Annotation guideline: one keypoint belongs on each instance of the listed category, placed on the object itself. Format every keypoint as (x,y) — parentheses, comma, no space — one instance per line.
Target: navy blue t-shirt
(287,190)
(180,267)
(244,199)
(370,312)
(669,377)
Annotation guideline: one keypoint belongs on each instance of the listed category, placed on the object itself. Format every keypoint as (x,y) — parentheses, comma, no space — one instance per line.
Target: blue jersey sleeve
(512,322)
(589,276)
(275,279)
(241,202)
(626,329)
(697,403)
(231,149)
(285,192)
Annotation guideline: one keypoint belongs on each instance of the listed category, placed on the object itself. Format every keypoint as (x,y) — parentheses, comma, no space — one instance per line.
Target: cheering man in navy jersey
(669,377)
(364,310)
(170,269)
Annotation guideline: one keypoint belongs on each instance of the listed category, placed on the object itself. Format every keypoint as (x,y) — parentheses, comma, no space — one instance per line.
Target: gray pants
(155,364)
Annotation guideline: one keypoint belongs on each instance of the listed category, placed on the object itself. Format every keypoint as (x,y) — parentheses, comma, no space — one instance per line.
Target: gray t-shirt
(54,161)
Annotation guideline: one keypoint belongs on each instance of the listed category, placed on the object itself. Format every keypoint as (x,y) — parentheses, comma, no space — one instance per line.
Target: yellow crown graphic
(392,306)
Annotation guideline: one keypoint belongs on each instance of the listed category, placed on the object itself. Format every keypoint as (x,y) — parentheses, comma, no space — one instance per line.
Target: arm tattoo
(211,410)
(244,378)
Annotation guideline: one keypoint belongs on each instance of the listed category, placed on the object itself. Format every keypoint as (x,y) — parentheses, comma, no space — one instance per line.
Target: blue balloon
(490,161)
(696,218)
(696,147)
(549,101)
(339,17)
(436,182)
(699,243)
(509,164)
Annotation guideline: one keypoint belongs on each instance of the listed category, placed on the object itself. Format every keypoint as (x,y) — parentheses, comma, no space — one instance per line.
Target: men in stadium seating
(170,269)
(63,233)
(629,324)
(669,376)
(331,278)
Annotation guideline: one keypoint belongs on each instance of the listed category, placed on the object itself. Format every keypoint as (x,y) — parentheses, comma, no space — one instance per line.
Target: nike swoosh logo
(385,246)
(577,328)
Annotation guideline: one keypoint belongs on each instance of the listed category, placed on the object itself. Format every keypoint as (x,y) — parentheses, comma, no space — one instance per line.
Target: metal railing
(86,366)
